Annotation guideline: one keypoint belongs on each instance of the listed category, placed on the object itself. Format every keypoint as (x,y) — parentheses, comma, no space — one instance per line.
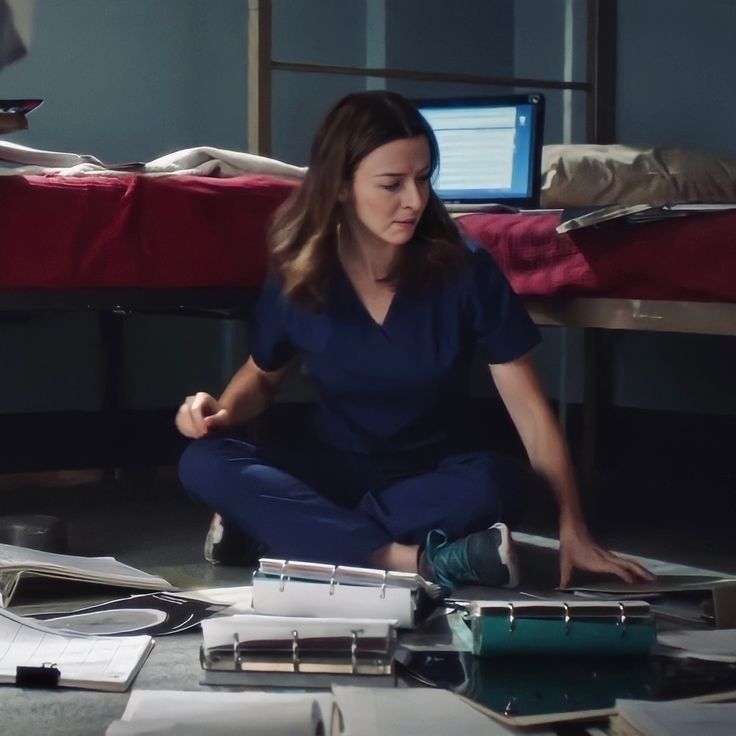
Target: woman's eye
(423,179)
(391,187)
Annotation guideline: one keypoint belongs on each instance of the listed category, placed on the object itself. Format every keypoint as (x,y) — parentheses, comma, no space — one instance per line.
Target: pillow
(587,175)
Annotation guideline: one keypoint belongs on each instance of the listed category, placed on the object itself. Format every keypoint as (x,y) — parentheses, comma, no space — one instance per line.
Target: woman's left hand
(579,551)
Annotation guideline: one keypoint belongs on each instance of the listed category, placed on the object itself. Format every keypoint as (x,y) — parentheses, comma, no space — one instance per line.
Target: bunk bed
(190,243)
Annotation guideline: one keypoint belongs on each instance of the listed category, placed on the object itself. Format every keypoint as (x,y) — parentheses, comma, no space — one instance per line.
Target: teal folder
(577,628)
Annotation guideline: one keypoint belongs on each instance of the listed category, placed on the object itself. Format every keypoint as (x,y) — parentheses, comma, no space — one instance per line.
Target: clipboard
(558,627)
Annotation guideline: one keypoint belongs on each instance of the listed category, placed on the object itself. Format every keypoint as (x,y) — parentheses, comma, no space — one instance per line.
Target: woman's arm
(249,393)
(520,390)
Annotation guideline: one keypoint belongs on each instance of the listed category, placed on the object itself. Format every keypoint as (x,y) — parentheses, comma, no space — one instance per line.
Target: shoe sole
(507,554)
(213,538)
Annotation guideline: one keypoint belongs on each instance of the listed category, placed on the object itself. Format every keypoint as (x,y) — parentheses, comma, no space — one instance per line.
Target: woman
(376,292)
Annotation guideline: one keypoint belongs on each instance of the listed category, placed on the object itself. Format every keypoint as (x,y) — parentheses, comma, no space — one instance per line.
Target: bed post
(259,77)
(597,350)
(601,104)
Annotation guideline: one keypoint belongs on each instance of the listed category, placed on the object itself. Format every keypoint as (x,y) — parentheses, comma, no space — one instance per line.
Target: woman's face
(389,192)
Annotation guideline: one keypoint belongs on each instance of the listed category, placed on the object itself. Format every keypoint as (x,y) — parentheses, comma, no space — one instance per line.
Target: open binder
(292,588)
(18,563)
(290,651)
(589,628)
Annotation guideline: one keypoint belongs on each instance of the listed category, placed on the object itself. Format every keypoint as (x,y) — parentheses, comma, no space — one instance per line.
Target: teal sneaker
(486,557)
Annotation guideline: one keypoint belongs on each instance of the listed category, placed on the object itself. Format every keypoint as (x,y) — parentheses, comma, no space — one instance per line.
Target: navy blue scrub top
(397,392)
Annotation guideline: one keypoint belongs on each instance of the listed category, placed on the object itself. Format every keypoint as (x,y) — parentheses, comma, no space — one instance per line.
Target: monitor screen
(490,148)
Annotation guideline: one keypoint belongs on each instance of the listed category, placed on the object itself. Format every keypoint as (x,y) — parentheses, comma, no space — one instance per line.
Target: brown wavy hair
(304,230)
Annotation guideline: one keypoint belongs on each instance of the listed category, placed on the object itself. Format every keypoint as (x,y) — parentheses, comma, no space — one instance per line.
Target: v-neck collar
(360,304)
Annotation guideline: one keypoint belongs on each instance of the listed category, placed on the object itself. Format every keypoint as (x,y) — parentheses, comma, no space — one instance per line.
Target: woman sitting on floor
(374,289)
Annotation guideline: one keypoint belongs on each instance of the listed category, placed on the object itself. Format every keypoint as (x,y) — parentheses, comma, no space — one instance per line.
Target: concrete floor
(148,522)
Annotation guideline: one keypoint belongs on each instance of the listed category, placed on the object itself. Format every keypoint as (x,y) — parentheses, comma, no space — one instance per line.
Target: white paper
(272,714)
(679,719)
(219,631)
(83,661)
(318,599)
(107,623)
(16,562)
(369,711)
(716,644)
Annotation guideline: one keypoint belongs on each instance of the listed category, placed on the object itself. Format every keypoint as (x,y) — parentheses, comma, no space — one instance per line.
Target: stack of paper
(18,562)
(642,718)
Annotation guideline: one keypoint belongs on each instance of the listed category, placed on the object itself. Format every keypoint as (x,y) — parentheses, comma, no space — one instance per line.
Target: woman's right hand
(201,415)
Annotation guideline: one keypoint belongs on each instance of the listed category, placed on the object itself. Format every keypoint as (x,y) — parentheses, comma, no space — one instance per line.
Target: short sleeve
(271,347)
(502,327)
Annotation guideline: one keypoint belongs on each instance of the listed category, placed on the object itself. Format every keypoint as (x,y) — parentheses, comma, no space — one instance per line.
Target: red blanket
(173,231)
(190,231)
(690,258)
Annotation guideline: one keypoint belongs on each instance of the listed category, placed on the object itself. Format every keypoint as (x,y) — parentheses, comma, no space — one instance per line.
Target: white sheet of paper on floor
(718,644)
(221,714)
(673,719)
(411,712)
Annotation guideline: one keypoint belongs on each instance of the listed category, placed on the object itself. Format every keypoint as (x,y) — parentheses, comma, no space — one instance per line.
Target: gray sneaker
(229,546)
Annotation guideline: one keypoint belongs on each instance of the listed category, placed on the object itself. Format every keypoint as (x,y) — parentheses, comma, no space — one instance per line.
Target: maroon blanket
(190,231)
(690,258)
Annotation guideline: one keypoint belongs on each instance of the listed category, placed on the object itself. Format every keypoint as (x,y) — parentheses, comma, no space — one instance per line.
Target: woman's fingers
(218,420)
(596,559)
(202,405)
(633,567)
(191,419)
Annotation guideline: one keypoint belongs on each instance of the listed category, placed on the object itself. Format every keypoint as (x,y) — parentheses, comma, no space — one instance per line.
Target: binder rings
(589,628)
(290,651)
(292,588)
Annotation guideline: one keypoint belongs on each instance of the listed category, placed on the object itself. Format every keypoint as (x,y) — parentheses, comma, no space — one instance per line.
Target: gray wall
(131,80)
(134,79)
(676,61)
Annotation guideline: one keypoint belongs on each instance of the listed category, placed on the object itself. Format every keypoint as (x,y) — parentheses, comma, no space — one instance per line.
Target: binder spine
(353,655)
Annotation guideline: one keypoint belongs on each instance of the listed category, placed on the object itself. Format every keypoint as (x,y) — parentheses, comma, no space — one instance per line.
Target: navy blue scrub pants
(324,505)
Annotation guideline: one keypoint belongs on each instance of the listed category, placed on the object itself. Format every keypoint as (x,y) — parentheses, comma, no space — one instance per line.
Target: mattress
(191,231)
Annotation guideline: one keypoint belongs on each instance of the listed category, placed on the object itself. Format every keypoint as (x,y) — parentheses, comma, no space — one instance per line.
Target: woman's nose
(412,196)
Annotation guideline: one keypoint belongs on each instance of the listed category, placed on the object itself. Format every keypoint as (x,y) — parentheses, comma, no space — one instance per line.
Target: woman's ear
(343,194)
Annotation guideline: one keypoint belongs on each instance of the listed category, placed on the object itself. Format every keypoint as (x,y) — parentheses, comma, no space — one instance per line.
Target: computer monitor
(490,148)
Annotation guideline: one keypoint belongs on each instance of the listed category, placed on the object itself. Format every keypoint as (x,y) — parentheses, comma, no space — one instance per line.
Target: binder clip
(47,675)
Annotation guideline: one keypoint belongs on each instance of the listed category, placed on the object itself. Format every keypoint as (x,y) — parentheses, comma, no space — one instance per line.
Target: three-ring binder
(353,655)
(611,628)
(296,588)
(296,651)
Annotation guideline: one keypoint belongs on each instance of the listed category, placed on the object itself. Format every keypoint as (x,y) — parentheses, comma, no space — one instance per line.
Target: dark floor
(147,521)
(663,489)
